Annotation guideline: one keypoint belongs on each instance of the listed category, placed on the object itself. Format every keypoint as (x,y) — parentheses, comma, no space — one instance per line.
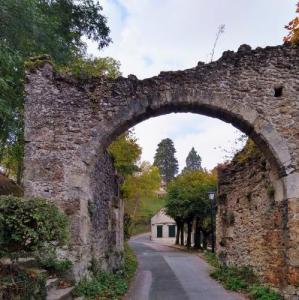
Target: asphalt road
(165,273)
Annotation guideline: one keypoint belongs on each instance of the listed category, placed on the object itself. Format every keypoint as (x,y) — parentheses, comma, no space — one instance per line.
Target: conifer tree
(165,159)
(193,161)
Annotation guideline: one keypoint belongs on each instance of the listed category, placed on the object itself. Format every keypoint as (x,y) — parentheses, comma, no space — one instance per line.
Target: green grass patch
(263,293)
(110,286)
(211,258)
(147,209)
(240,280)
(244,280)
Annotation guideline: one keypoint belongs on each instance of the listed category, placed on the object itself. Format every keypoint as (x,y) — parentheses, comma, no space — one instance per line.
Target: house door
(171,231)
(159,231)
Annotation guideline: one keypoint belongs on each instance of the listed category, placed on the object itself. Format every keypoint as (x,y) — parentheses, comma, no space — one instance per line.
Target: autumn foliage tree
(140,186)
(293,28)
(141,180)
(126,153)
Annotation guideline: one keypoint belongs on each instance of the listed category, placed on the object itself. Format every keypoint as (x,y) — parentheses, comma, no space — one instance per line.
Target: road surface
(165,273)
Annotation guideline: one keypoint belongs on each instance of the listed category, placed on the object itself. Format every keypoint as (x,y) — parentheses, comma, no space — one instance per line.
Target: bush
(29,225)
(110,286)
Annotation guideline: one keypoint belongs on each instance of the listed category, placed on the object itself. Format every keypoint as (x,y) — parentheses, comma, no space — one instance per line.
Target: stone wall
(251,227)
(99,222)
(69,122)
(106,213)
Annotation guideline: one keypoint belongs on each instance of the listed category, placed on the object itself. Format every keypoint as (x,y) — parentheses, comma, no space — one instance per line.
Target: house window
(171,231)
(159,231)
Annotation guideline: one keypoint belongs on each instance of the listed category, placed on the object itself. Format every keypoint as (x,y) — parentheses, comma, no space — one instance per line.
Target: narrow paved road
(165,273)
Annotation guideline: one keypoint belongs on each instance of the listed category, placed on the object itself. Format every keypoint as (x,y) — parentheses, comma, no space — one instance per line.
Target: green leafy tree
(140,186)
(29,28)
(193,161)
(165,160)
(187,199)
(126,153)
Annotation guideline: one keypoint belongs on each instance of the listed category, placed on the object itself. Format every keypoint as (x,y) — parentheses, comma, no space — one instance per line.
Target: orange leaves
(293,28)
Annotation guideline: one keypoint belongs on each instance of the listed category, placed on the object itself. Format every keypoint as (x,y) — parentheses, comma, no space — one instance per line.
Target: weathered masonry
(70,122)
(251,225)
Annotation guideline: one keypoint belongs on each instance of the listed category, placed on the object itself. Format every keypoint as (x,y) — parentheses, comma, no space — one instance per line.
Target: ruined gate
(70,122)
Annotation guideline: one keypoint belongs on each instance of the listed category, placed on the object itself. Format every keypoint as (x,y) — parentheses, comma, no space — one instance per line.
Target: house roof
(161,217)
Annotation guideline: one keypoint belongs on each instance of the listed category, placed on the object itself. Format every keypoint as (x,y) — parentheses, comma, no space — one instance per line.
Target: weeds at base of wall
(240,280)
(25,284)
(112,286)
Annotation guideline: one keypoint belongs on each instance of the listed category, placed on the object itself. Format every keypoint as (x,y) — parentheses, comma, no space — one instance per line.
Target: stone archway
(70,122)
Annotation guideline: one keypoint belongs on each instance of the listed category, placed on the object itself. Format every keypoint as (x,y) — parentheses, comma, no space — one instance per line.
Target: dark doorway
(159,231)
(171,231)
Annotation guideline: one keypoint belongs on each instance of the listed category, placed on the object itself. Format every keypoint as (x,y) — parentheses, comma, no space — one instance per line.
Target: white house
(163,227)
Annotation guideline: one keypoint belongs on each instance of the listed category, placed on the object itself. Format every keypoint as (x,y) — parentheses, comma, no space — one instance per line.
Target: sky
(150,36)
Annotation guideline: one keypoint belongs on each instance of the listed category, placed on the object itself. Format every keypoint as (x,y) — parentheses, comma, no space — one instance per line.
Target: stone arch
(70,122)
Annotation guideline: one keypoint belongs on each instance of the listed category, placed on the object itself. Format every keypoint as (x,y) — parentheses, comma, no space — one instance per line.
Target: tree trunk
(197,238)
(189,232)
(205,240)
(182,234)
(177,237)
(20,173)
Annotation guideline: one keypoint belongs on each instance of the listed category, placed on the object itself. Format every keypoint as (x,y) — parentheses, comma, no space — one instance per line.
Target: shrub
(29,225)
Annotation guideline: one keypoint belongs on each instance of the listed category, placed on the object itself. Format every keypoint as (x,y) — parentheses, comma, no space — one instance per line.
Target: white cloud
(208,136)
(177,34)
(154,35)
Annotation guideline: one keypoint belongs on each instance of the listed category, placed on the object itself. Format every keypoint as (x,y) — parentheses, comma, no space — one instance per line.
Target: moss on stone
(36,62)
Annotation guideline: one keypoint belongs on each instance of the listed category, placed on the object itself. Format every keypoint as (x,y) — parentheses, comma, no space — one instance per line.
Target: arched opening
(252,214)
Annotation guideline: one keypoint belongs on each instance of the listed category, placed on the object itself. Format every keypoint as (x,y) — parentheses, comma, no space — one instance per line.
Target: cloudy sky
(154,35)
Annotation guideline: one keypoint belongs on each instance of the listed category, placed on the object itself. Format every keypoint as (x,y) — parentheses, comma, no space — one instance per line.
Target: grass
(211,258)
(240,280)
(139,228)
(147,209)
(244,280)
(112,286)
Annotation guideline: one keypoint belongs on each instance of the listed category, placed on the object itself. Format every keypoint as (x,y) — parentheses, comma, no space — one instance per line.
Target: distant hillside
(144,213)
(9,187)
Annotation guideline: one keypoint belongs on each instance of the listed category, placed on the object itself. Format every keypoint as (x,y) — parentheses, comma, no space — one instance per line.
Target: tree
(187,200)
(140,186)
(193,161)
(165,160)
(29,28)
(126,153)
(293,28)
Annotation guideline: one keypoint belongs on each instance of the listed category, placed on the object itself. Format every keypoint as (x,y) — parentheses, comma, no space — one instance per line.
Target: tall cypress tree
(165,159)
(193,161)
